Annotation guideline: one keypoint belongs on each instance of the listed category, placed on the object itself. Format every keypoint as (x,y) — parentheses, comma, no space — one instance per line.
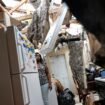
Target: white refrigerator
(21,80)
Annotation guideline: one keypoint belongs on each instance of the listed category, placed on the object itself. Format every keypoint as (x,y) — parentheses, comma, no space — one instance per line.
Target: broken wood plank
(26,17)
(17,6)
(18,10)
(2,25)
(2,9)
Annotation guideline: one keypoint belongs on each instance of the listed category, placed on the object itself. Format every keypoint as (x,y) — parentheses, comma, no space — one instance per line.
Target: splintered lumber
(25,17)
(2,9)
(18,10)
(17,6)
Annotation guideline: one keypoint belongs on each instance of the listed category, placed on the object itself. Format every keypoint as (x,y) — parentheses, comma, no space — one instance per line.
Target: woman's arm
(48,76)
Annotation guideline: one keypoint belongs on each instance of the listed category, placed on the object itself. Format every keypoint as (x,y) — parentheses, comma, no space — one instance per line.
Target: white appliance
(20,75)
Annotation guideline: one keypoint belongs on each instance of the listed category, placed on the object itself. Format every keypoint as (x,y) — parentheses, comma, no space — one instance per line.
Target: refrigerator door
(26,89)
(20,59)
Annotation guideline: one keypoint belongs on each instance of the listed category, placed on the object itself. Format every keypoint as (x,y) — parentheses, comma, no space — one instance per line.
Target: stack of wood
(7,19)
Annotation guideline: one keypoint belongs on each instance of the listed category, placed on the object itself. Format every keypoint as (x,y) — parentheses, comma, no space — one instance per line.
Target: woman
(44,77)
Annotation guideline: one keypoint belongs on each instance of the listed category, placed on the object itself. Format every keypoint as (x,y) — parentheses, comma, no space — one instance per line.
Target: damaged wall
(76,61)
(57,71)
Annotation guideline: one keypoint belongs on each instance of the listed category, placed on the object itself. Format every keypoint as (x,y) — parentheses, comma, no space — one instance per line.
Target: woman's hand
(50,86)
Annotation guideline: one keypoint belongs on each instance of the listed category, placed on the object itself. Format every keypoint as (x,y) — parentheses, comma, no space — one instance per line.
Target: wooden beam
(18,10)
(2,25)
(26,17)
(17,6)
(2,9)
